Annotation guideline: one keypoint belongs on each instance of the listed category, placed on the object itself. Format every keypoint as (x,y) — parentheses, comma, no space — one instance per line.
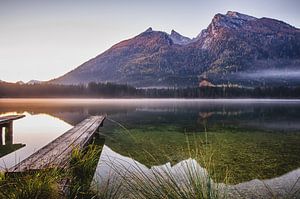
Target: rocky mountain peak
(241,16)
(179,39)
(149,29)
(232,44)
(231,20)
(173,32)
(33,81)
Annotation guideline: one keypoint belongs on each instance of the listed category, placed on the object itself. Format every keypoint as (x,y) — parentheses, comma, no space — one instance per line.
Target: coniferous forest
(111,90)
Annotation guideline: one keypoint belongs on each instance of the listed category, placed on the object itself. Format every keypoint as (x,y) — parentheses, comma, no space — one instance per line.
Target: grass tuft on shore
(47,184)
(82,167)
(38,185)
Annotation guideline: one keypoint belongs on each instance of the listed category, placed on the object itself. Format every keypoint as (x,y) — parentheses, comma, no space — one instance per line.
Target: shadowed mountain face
(233,46)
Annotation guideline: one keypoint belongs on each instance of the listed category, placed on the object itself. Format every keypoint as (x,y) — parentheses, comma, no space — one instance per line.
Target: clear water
(250,138)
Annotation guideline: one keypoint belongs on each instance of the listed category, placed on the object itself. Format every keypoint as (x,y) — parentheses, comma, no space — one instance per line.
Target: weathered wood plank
(57,152)
(10,118)
(38,155)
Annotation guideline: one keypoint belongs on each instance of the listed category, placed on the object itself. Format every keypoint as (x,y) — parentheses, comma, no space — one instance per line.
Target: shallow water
(124,176)
(249,138)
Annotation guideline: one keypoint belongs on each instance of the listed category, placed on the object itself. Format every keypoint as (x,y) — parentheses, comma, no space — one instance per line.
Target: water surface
(246,138)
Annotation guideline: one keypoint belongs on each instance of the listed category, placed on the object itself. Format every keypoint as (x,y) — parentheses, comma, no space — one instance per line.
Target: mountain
(149,59)
(20,82)
(31,82)
(244,46)
(179,39)
(234,48)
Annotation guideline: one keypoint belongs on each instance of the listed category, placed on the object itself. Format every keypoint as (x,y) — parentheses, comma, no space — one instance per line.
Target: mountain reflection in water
(114,169)
(255,138)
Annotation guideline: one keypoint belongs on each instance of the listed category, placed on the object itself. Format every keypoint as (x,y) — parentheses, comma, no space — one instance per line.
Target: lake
(244,139)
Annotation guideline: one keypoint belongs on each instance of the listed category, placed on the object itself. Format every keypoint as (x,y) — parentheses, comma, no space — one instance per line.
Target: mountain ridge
(231,45)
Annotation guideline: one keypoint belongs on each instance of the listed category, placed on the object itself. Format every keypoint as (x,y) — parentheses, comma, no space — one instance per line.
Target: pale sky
(42,39)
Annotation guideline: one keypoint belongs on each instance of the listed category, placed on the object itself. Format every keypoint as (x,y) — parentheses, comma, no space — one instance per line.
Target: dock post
(1,134)
(6,128)
(9,133)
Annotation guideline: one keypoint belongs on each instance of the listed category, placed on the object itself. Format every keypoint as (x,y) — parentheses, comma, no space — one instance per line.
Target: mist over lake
(150,99)
(245,135)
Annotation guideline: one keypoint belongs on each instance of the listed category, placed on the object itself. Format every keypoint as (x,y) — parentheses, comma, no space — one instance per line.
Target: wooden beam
(9,118)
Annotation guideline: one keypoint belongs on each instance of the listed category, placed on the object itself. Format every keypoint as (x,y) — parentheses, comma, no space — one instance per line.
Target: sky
(42,39)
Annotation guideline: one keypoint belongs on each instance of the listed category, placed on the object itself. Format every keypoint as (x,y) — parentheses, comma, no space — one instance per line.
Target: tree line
(111,90)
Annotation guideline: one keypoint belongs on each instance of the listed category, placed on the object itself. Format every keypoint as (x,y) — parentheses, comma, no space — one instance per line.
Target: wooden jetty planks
(57,152)
(38,155)
(10,118)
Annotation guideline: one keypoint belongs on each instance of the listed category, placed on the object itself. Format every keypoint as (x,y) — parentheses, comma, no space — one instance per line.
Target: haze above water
(251,138)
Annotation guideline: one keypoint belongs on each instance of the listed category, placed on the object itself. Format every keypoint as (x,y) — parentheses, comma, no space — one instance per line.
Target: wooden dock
(9,118)
(57,153)
(6,128)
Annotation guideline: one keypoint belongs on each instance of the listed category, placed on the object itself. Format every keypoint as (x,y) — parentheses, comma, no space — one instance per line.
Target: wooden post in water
(9,133)
(1,135)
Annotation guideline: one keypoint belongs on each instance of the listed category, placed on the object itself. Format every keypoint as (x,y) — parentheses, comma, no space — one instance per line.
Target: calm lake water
(245,139)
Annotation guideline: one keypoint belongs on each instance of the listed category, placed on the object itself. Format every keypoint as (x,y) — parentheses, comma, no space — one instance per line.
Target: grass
(46,184)
(37,185)
(82,168)
(228,145)
(188,180)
